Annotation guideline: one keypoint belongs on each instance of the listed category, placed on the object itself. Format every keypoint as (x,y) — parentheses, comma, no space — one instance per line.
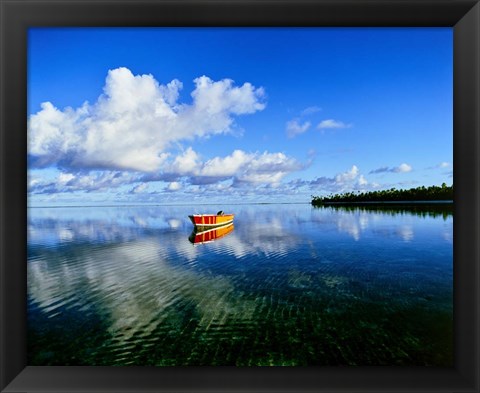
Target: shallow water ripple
(291,285)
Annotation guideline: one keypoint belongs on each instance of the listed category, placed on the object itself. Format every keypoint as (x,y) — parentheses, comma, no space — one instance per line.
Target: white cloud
(32,182)
(171,91)
(351,180)
(92,181)
(402,168)
(186,163)
(135,121)
(237,168)
(294,128)
(221,97)
(174,186)
(225,166)
(442,165)
(128,137)
(249,167)
(140,188)
(310,110)
(267,168)
(340,182)
(347,176)
(332,124)
(362,181)
(64,178)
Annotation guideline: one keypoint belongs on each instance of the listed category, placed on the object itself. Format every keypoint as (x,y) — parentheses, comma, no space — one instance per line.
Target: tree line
(432,193)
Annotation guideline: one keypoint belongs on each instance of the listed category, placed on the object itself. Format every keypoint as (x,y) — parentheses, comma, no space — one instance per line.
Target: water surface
(290,285)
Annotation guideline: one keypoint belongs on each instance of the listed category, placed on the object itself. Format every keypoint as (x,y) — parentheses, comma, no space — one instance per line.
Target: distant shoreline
(420,195)
(446,202)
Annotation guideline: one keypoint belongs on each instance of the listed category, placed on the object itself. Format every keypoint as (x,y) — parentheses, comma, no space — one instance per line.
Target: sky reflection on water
(290,285)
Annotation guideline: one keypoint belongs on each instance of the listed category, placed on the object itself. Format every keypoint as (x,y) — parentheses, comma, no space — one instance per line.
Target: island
(432,194)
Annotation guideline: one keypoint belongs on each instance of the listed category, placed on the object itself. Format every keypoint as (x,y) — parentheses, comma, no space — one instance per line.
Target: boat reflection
(210,235)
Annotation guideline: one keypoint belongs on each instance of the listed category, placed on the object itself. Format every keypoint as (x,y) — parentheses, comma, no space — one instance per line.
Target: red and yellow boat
(210,235)
(205,221)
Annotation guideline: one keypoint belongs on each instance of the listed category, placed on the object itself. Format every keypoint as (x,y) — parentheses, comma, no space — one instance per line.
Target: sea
(287,285)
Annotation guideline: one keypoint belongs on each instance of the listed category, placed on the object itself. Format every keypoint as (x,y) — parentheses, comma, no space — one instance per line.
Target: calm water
(290,285)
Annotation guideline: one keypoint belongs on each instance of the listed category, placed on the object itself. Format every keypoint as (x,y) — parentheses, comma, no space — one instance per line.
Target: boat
(205,221)
(210,235)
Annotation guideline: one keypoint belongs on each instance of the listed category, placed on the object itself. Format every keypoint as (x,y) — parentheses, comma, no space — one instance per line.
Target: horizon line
(172,204)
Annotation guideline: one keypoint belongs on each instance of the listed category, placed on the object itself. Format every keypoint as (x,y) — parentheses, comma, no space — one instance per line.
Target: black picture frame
(18,15)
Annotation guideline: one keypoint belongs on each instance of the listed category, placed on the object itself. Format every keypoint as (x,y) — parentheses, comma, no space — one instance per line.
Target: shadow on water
(434,210)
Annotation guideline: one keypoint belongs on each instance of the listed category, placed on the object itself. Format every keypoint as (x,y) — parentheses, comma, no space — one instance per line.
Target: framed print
(240,196)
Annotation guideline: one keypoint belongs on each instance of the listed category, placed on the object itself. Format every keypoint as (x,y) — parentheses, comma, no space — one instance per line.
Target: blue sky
(226,115)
